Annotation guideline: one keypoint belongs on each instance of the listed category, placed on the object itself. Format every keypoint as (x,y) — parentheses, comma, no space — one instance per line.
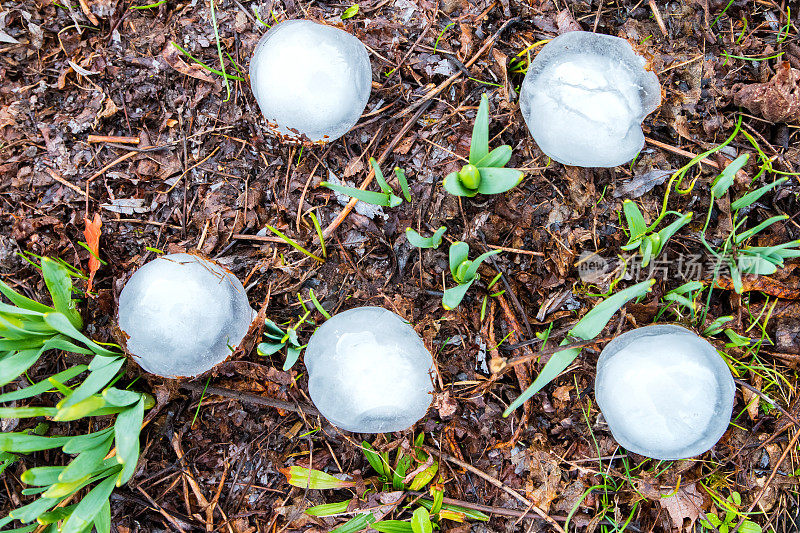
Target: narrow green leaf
(452,297)
(293,244)
(499,180)
(423,478)
(42,386)
(120,397)
(469,513)
(87,461)
(753,231)
(21,301)
(81,443)
(94,382)
(26,412)
(587,328)
(375,460)
(667,233)
(28,513)
(89,507)
(292,354)
(42,476)
(634,219)
(62,324)
(329,509)
(317,305)
(379,177)
(126,437)
(16,364)
(421,521)
(369,197)
(393,526)
(401,179)
(499,157)
(269,348)
(753,196)
(102,522)
(727,176)
(472,271)
(479,146)
(459,252)
(453,185)
(350,12)
(301,477)
(358,523)
(418,241)
(59,284)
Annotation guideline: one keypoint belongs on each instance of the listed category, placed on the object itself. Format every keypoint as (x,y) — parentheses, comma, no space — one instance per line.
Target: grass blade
(293,244)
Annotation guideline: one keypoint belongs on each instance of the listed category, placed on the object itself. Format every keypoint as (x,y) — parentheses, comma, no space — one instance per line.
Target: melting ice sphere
(368,371)
(183,315)
(311,81)
(665,392)
(584,98)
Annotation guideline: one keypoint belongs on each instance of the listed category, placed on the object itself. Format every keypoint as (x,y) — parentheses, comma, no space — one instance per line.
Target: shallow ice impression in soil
(665,392)
(368,371)
(183,315)
(584,98)
(310,80)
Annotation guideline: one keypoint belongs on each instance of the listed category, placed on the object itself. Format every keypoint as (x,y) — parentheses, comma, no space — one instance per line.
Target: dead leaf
(445,404)
(751,282)
(777,100)
(172,56)
(92,235)
(566,22)
(685,504)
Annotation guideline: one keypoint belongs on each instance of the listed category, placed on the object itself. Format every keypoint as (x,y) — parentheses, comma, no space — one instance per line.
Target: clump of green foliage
(485,172)
(464,272)
(385,198)
(105,458)
(407,472)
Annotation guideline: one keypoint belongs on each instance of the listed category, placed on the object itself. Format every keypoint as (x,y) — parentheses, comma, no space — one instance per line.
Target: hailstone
(584,98)
(368,371)
(182,315)
(311,81)
(665,392)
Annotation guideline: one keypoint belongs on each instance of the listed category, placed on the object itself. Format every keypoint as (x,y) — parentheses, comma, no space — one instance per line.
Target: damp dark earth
(412,158)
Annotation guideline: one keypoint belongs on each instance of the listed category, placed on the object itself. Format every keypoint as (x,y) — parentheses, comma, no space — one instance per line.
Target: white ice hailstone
(368,371)
(584,98)
(665,392)
(311,81)
(182,315)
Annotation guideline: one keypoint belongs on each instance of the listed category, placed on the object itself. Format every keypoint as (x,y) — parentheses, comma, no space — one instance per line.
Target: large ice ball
(368,371)
(665,392)
(584,98)
(183,315)
(311,81)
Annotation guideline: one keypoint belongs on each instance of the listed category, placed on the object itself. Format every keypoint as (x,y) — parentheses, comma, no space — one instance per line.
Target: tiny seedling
(485,172)
(464,272)
(418,241)
(385,198)
(649,242)
(350,12)
(409,473)
(734,251)
(278,339)
(726,520)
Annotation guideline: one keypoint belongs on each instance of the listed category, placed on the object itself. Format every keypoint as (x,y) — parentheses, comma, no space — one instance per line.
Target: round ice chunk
(368,371)
(183,315)
(665,392)
(311,81)
(584,98)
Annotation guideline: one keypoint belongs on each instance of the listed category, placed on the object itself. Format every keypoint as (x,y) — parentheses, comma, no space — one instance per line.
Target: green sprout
(278,339)
(734,250)
(418,241)
(485,172)
(392,475)
(726,521)
(350,12)
(649,242)
(385,198)
(464,272)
